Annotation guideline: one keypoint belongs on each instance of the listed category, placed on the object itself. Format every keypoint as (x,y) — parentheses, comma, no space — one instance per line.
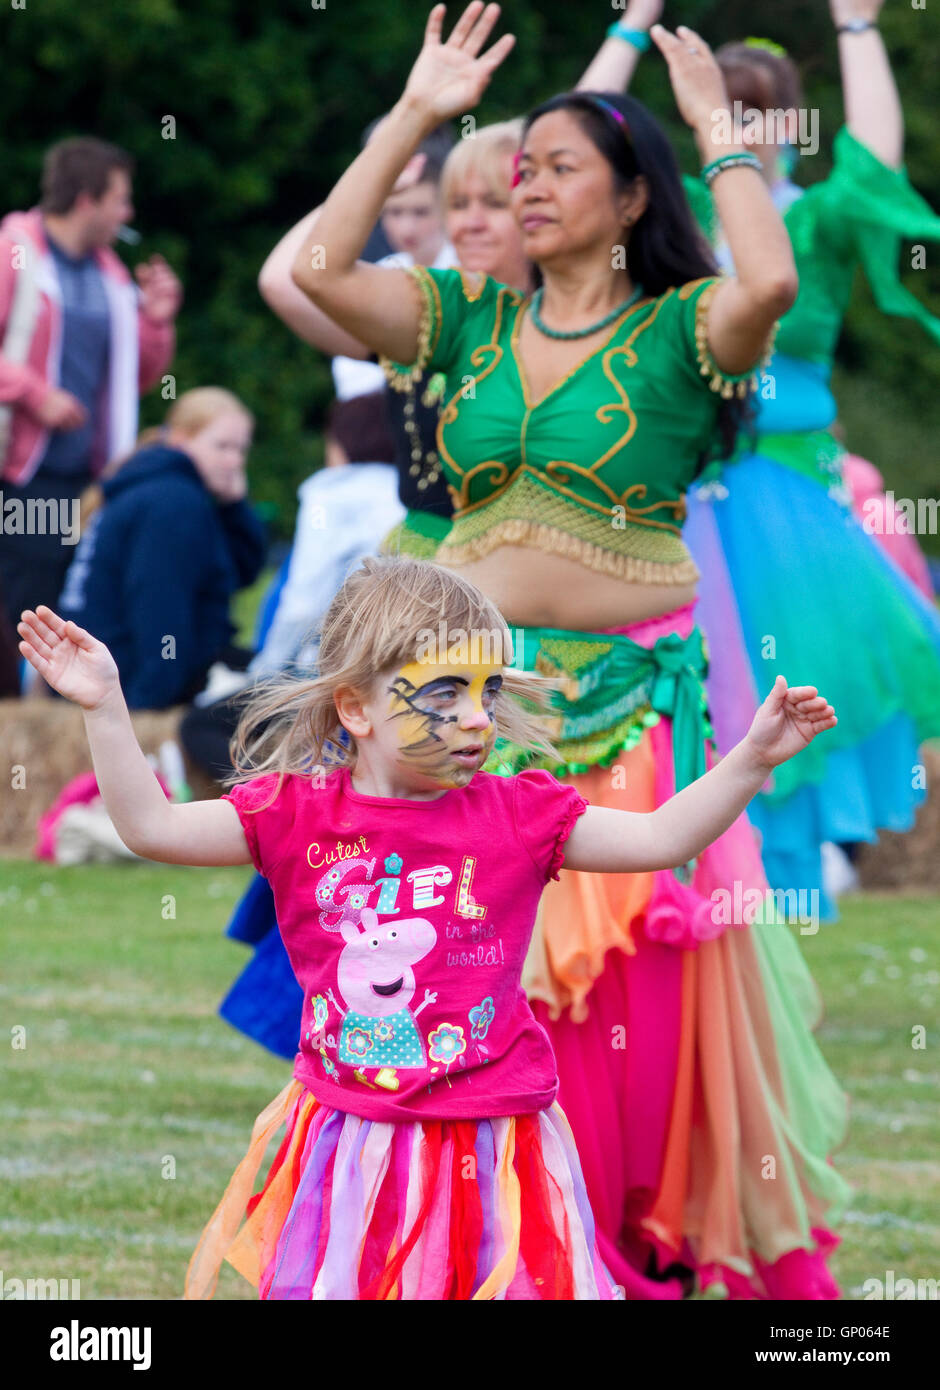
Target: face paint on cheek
(421,732)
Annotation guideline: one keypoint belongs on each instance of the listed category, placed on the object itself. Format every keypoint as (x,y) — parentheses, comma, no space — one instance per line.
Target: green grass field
(128,1074)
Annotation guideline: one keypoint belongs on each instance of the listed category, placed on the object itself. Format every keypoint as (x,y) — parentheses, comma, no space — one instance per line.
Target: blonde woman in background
(172,538)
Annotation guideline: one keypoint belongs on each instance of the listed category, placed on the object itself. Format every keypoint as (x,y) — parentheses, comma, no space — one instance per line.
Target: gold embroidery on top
(429,314)
(590,473)
(450,410)
(523,380)
(463,507)
(553,541)
(471,296)
(689,288)
(557,472)
(727,384)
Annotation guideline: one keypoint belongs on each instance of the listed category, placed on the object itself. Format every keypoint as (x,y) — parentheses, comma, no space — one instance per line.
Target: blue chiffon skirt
(791,584)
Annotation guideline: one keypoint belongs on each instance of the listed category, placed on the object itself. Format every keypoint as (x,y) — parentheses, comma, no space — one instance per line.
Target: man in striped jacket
(79,342)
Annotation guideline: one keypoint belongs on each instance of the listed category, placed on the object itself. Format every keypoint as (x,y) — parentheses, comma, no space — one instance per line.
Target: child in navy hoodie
(172,541)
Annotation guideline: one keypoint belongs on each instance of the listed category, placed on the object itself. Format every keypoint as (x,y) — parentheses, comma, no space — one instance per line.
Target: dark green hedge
(269,100)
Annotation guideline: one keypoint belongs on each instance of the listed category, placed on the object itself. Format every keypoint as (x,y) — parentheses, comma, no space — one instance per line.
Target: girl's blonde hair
(391,611)
(192,412)
(484,153)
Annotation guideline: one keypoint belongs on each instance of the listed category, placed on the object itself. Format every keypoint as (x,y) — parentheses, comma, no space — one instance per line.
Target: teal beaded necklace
(536,303)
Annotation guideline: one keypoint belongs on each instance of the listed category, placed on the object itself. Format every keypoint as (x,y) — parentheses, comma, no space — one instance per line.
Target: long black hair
(665,247)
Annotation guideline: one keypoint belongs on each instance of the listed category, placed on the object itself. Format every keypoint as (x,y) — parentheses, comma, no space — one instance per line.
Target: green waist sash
(613,688)
(815,453)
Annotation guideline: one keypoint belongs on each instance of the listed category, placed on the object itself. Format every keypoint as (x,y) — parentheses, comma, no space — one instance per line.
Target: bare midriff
(533,589)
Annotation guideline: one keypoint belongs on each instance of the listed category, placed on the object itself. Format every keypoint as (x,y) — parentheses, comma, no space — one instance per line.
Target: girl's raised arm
(82,669)
(377,305)
(624,842)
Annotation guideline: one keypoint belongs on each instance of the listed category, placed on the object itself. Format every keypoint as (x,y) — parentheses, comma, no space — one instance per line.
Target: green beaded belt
(613,689)
(420,535)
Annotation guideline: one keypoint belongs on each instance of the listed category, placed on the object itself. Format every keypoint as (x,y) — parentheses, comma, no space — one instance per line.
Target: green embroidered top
(596,470)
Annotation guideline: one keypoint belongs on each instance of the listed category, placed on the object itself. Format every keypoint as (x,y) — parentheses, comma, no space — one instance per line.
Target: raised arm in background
(614,63)
(609,70)
(378,304)
(295,308)
(872,106)
(765,283)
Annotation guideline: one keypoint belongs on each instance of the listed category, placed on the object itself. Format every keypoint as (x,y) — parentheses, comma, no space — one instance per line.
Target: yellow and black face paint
(423,700)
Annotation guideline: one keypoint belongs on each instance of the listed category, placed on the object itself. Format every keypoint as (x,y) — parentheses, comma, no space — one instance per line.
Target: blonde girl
(425,1156)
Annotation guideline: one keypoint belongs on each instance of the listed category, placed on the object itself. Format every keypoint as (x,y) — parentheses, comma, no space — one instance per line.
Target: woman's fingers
(691,39)
(498,52)
(481,30)
(666,43)
(432,30)
(465,23)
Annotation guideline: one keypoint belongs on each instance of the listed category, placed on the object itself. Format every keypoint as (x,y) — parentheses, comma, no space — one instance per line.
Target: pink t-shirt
(407,924)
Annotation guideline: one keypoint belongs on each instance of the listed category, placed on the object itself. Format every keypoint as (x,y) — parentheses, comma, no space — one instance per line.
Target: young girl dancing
(425,1156)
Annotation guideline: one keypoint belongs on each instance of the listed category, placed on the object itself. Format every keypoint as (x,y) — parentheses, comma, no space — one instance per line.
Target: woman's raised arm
(872,106)
(295,308)
(377,305)
(614,63)
(746,305)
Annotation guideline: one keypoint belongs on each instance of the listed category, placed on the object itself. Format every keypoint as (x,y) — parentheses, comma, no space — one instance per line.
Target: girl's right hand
(449,78)
(68,658)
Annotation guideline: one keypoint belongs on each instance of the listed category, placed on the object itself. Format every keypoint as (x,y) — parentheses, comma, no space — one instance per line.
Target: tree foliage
(269,101)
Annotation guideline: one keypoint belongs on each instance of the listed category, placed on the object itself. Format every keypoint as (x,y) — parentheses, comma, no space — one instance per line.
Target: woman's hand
(844,11)
(68,658)
(642,14)
(449,78)
(787,721)
(697,81)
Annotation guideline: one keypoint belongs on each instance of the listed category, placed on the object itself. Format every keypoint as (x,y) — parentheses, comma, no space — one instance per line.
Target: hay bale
(46,738)
(910,861)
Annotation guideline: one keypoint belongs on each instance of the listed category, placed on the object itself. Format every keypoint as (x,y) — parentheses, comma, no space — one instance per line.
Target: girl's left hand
(787,721)
(697,80)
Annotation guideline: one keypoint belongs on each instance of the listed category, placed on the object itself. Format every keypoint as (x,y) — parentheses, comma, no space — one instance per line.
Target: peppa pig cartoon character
(377,982)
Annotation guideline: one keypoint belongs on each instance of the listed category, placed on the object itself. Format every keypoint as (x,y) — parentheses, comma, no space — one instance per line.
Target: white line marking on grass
(890,1219)
(928,1167)
(106,1235)
(886,1120)
(128,1165)
(92,1117)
